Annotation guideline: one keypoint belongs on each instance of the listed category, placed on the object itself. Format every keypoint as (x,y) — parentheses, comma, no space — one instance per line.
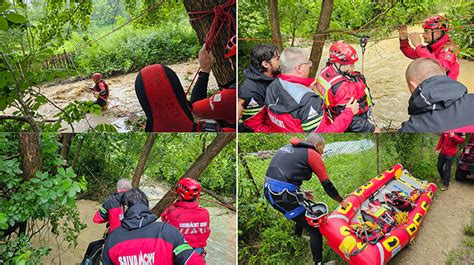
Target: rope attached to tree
(222,17)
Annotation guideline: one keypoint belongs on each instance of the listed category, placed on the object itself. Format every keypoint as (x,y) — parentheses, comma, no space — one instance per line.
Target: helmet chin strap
(338,68)
(433,40)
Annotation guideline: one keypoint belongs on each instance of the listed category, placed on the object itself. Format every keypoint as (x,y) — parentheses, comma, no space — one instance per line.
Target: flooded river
(221,245)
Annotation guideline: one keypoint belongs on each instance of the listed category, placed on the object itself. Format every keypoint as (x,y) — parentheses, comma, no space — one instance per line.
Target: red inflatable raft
(341,229)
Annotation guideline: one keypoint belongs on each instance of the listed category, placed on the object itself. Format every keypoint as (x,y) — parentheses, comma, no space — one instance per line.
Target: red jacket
(111,211)
(449,145)
(103,89)
(142,240)
(293,107)
(444,51)
(191,220)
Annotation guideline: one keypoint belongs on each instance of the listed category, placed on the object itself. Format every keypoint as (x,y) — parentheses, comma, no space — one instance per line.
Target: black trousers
(287,202)
(101,102)
(315,237)
(93,253)
(444,168)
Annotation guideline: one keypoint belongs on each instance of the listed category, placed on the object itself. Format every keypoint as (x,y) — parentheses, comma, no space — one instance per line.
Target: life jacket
(330,82)
(98,89)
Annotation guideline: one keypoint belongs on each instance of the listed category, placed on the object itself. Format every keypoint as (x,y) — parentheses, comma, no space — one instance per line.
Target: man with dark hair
(438,103)
(142,240)
(290,166)
(264,66)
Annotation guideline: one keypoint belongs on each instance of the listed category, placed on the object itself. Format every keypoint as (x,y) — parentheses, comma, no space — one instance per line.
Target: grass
(465,254)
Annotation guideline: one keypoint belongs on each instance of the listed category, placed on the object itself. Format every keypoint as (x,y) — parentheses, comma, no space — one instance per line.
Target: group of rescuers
(278,96)
(135,236)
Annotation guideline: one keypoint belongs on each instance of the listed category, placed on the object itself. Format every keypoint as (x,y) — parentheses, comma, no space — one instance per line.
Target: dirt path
(442,229)
(123,101)
(384,69)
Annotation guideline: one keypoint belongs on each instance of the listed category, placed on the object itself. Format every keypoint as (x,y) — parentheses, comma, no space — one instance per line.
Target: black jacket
(254,88)
(439,104)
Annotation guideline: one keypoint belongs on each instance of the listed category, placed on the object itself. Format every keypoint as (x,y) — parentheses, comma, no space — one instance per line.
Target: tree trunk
(30,154)
(142,161)
(274,19)
(66,144)
(222,68)
(319,37)
(78,151)
(196,169)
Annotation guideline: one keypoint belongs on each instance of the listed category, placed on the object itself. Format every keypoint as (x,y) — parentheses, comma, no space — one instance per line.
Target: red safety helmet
(436,22)
(96,76)
(231,48)
(316,214)
(343,53)
(398,200)
(188,189)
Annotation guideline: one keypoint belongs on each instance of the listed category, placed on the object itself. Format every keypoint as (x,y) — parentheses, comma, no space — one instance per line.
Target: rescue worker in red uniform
(290,166)
(446,150)
(142,240)
(263,69)
(292,106)
(101,91)
(440,47)
(338,83)
(186,215)
(164,102)
(221,106)
(110,212)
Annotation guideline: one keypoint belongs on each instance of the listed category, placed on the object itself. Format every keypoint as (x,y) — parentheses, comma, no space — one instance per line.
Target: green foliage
(49,198)
(26,43)
(131,49)
(460,17)
(107,157)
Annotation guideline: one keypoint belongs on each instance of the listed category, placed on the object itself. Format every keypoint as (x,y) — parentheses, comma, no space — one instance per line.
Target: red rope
(222,17)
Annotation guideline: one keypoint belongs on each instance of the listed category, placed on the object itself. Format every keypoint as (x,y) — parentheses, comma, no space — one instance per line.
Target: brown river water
(221,245)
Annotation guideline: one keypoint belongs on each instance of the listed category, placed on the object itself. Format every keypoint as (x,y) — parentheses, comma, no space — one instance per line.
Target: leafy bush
(131,49)
(460,17)
(49,197)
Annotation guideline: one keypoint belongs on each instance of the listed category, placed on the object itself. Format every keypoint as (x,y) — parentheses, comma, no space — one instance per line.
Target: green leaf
(3,221)
(3,23)
(16,18)
(4,6)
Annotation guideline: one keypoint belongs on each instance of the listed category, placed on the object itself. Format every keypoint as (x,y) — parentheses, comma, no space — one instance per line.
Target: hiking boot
(444,188)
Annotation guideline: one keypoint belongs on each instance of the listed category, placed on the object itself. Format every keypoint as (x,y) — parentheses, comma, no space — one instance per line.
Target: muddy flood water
(123,103)
(221,245)
(384,69)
